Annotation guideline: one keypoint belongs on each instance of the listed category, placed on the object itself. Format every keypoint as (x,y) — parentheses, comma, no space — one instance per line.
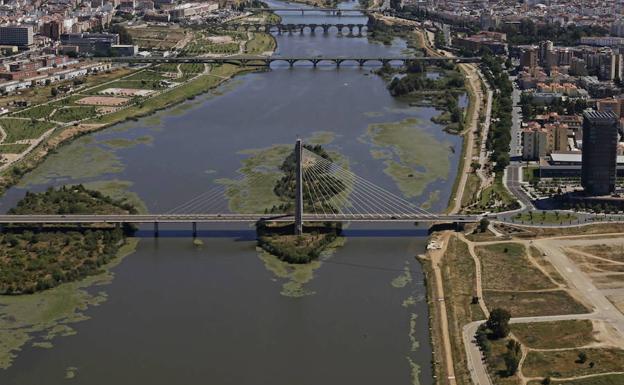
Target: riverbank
(206,80)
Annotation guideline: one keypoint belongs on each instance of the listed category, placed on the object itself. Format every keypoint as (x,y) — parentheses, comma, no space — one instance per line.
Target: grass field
(70,114)
(179,94)
(140,84)
(534,304)
(19,129)
(555,335)
(149,75)
(565,363)
(12,148)
(259,44)
(506,267)
(37,112)
(545,217)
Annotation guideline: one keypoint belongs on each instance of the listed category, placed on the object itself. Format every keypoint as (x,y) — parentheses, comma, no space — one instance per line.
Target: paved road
(573,275)
(514,185)
(213,218)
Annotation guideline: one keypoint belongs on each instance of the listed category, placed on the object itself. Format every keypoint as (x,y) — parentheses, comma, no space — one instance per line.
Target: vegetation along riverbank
(45,271)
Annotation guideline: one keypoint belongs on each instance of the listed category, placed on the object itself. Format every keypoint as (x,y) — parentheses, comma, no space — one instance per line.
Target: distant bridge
(327,11)
(294,27)
(254,60)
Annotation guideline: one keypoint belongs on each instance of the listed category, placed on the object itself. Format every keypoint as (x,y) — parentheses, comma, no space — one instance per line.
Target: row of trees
(75,199)
(496,328)
(499,135)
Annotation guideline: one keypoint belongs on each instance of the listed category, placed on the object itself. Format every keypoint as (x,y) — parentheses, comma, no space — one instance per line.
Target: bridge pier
(194,229)
(299,189)
(156,230)
(325,29)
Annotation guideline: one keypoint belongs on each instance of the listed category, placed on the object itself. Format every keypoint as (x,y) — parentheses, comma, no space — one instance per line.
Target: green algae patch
(71,372)
(120,143)
(409,301)
(321,137)
(412,332)
(42,345)
(254,193)
(404,278)
(294,277)
(119,190)
(413,157)
(434,197)
(414,371)
(51,312)
(78,160)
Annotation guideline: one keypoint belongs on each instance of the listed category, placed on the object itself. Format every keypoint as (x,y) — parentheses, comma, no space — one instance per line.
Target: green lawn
(37,112)
(69,114)
(19,129)
(547,217)
(148,75)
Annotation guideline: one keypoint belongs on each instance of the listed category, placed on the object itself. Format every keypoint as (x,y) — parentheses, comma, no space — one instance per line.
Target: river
(222,313)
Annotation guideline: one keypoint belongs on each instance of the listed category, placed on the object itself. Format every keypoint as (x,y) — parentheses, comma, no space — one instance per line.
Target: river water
(177,313)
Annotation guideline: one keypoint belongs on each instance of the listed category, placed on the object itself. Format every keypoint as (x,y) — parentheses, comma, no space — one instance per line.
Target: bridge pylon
(299,188)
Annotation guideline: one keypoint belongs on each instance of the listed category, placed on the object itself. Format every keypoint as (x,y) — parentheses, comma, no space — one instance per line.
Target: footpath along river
(223,313)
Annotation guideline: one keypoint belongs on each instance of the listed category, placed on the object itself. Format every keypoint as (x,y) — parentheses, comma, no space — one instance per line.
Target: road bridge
(354,29)
(31,219)
(324,192)
(255,60)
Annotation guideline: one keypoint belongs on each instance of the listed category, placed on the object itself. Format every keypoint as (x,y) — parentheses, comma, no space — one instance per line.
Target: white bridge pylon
(328,190)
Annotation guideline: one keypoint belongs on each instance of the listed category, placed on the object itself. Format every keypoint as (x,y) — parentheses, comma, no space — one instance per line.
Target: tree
(512,357)
(483,224)
(546,381)
(498,323)
(582,357)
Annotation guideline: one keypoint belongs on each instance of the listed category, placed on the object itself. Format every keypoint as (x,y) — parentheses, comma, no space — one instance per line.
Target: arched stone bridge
(251,60)
(290,28)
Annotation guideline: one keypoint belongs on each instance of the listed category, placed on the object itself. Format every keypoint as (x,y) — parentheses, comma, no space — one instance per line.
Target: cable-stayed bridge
(324,191)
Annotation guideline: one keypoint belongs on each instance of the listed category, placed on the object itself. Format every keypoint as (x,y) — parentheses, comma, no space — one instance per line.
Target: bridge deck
(270,59)
(216,218)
